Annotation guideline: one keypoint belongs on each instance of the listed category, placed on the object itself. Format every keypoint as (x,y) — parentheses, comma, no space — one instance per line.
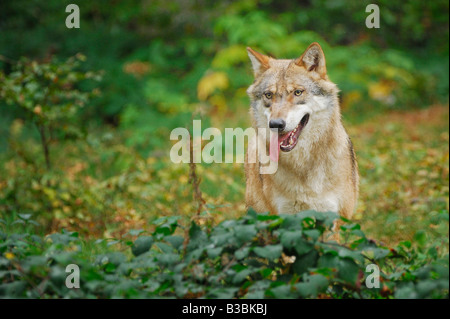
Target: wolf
(317,167)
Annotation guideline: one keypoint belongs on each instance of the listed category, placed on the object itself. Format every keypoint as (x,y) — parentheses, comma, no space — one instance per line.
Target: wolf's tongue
(274,147)
(275,142)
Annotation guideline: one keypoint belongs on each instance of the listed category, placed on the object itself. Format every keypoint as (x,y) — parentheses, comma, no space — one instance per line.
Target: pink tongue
(274,147)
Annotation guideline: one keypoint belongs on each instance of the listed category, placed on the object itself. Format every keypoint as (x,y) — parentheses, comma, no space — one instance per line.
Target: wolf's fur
(321,172)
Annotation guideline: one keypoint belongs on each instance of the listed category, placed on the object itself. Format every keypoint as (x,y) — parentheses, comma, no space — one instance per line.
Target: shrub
(48,95)
(256,256)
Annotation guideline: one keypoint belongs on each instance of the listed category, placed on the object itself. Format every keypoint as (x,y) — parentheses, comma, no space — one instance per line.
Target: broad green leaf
(311,286)
(241,275)
(175,241)
(141,245)
(242,253)
(245,233)
(282,292)
(270,252)
(290,239)
(306,261)
(214,252)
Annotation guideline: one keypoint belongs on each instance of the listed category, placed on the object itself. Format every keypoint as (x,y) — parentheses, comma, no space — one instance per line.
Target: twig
(44,143)
(22,272)
(195,180)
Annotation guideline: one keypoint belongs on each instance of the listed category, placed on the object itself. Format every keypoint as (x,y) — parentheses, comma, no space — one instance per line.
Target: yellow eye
(298,92)
(268,95)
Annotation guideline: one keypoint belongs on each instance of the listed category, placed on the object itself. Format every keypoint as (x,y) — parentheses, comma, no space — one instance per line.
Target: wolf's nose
(279,124)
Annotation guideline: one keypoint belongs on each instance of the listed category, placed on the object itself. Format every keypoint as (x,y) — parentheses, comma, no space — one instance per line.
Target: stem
(44,143)
(195,180)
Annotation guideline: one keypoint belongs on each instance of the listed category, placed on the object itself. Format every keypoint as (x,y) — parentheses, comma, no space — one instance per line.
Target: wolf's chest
(297,201)
(327,203)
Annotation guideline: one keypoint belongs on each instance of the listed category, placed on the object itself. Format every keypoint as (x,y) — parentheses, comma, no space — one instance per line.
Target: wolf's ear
(313,59)
(260,62)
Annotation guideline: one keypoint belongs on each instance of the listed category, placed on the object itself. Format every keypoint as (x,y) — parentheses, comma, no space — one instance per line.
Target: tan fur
(321,172)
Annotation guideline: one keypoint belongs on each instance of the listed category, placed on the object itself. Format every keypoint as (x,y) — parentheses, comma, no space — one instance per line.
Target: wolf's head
(293,97)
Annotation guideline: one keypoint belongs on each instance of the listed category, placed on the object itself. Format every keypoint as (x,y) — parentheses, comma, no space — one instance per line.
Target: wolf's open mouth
(289,140)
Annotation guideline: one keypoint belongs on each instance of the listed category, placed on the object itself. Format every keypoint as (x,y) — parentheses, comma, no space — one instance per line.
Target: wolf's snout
(278,124)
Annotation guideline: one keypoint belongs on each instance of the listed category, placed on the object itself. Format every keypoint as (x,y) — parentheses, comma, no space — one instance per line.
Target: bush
(256,256)
(48,94)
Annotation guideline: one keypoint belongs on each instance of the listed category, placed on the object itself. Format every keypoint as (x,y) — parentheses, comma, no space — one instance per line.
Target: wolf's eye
(268,95)
(298,92)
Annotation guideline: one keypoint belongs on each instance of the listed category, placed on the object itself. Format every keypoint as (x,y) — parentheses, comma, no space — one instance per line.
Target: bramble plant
(255,256)
(49,94)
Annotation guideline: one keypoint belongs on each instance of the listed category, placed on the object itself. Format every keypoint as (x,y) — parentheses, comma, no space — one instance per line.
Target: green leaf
(168,227)
(302,247)
(326,218)
(175,241)
(354,255)
(270,252)
(241,275)
(265,217)
(290,238)
(223,293)
(256,294)
(220,239)
(142,245)
(112,242)
(135,232)
(347,269)
(291,222)
(165,248)
(282,292)
(116,257)
(194,254)
(377,253)
(311,286)
(266,272)
(257,290)
(420,237)
(13,289)
(314,234)
(304,262)
(406,291)
(425,288)
(242,253)
(25,216)
(168,259)
(214,252)
(197,237)
(245,233)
